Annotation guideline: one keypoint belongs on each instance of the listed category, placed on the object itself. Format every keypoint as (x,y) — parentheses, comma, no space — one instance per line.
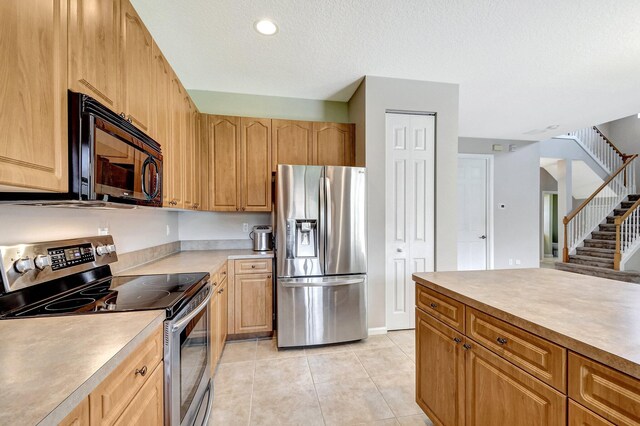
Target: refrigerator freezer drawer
(322,310)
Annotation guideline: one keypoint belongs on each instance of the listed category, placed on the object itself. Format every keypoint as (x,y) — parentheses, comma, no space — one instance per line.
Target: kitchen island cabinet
(536,347)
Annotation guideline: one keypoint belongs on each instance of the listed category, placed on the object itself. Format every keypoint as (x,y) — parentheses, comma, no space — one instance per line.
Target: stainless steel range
(73,277)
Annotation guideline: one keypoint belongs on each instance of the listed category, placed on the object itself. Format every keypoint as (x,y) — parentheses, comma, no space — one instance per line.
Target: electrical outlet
(168,230)
(245,227)
(103,231)
(518,261)
(511,262)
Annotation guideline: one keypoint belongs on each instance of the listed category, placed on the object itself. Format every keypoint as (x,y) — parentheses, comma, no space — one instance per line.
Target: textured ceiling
(522,65)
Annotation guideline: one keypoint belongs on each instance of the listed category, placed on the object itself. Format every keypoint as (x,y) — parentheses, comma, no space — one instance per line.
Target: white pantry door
(472,212)
(410,186)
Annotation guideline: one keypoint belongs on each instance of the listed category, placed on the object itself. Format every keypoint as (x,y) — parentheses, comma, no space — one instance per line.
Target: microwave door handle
(145,165)
(184,321)
(157,179)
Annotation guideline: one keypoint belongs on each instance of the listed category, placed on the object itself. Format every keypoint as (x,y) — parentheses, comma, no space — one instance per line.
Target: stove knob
(23,265)
(111,248)
(42,261)
(102,250)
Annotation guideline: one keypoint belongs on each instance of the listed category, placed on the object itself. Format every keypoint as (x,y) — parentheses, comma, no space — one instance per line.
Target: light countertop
(596,317)
(194,261)
(49,365)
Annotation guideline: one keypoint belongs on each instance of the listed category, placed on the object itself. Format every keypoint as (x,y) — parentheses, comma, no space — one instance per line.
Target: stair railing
(601,149)
(583,220)
(627,235)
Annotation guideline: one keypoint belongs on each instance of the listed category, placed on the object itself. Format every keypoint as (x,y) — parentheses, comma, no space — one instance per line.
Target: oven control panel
(25,265)
(65,257)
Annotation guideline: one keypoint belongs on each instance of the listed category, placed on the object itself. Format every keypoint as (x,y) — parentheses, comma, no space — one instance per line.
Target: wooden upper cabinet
(197,157)
(33,83)
(255,155)
(137,68)
(161,118)
(440,381)
(188,175)
(94,43)
(292,142)
(223,136)
(333,144)
(204,161)
(176,107)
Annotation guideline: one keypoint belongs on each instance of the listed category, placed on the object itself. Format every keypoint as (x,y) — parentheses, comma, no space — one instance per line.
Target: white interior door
(410,149)
(473,230)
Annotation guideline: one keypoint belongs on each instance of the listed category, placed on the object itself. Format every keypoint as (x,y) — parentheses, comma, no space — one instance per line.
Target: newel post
(617,255)
(565,249)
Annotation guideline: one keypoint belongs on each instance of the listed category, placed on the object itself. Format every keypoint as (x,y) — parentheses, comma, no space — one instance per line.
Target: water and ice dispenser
(302,238)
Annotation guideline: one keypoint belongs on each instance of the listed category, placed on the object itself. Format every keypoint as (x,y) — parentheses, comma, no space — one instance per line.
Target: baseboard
(377,330)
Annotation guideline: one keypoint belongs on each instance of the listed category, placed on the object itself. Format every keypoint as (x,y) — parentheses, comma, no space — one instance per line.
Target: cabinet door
(580,416)
(292,142)
(177,143)
(147,407)
(253,303)
(440,380)
(33,83)
(499,393)
(255,167)
(333,144)
(197,156)
(224,151)
(204,162)
(137,68)
(188,169)
(161,114)
(94,56)
(215,330)
(79,416)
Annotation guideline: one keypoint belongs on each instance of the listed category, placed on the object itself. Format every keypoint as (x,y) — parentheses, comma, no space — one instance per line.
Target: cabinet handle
(269,276)
(457,339)
(221,291)
(142,371)
(501,340)
(253,266)
(129,119)
(122,115)
(434,305)
(466,346)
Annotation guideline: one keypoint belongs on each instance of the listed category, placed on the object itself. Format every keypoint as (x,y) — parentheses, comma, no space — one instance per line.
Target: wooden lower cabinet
(440,381)
(253,303)
(147,407)
(219,311)
(499,393)
(580,416)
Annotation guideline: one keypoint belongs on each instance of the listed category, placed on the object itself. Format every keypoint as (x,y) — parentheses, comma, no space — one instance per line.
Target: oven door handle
(184,321)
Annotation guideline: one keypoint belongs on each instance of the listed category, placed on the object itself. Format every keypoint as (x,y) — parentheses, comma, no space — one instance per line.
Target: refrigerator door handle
(320,283)
(322,226)
(326,207)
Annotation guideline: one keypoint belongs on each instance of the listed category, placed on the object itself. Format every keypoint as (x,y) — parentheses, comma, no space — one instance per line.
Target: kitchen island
(511,345)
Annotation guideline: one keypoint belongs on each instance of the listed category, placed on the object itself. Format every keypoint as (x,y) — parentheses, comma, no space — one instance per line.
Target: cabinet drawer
(253,266)
(147,406)
(444,308)
(607,392)
(580,416)
(113,395)
(535,355)
(79,416)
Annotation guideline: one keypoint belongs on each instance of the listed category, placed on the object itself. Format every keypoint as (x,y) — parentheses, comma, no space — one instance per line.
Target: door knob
(483,237)
(399,250)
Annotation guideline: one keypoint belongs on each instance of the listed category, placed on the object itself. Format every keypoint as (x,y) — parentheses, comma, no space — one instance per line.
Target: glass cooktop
(122,293)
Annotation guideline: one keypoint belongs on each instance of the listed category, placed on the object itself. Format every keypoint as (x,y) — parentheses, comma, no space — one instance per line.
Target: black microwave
(110,161)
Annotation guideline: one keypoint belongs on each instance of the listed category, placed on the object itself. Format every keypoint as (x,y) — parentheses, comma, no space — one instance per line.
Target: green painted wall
(239,104)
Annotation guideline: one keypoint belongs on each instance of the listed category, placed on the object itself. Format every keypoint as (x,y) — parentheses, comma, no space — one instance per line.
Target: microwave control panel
(66,257)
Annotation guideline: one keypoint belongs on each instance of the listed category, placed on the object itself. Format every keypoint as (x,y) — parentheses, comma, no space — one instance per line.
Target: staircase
(604,231)
(596,257)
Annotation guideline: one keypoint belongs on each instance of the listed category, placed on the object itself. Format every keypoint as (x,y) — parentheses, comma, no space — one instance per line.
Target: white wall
(624,133)
(517,185)
(218,226)
(132,230)
(380,94)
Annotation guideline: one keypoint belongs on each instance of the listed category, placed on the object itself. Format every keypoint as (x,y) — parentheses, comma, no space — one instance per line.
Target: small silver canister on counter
(262,238)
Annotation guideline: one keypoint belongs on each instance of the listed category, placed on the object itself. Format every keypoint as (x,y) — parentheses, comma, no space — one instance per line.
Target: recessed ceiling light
(265,27)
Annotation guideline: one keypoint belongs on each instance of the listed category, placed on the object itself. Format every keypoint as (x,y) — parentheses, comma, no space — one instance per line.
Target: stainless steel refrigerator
(321,253)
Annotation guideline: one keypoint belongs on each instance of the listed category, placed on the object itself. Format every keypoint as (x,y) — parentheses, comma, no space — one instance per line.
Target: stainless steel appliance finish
(187,354)
(321,254)
(25,265)
(262,237)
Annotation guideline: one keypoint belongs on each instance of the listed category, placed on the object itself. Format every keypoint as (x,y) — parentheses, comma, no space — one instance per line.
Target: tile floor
(371,382)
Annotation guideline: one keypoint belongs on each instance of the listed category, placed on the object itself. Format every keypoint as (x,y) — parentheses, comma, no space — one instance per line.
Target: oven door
(188,392)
